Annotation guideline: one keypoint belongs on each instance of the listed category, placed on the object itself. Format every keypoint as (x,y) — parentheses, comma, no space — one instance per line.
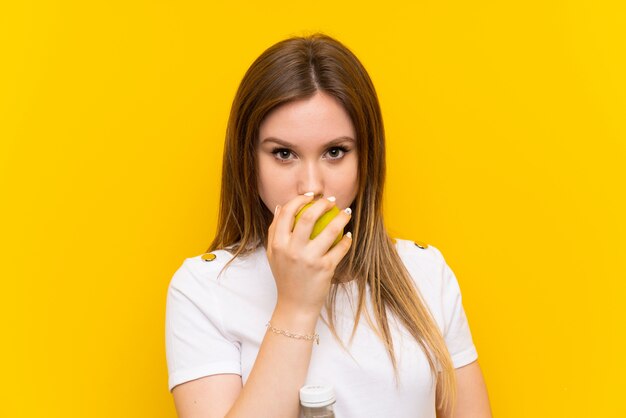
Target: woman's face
(307,146)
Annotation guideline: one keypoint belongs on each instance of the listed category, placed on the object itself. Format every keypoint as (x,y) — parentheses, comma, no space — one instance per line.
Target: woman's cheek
(275,187)
(351,184)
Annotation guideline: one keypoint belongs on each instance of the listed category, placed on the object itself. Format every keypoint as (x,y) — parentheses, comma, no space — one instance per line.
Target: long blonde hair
(295,69)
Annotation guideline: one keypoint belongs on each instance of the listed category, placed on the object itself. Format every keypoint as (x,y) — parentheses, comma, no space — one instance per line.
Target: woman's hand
(303,268)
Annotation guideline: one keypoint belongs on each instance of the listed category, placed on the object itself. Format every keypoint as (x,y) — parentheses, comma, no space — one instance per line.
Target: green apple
(321,222)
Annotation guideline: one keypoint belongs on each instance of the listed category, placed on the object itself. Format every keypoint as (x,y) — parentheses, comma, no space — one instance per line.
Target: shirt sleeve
(195,343)
(456,330)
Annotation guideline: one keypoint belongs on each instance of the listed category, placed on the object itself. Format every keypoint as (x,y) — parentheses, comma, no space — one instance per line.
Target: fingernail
(331,198)
(309,194)
(276,210)
(348,211)
(349,234)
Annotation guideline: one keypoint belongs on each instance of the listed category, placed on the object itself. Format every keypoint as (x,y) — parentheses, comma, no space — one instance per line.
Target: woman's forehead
(318,118)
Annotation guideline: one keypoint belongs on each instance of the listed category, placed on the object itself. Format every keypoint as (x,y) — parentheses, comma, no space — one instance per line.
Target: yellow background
(506,150)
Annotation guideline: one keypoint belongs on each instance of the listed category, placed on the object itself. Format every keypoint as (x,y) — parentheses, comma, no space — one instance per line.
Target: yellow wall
(507,150)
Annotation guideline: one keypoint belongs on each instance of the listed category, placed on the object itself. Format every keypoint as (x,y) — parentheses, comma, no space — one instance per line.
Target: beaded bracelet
(314,337)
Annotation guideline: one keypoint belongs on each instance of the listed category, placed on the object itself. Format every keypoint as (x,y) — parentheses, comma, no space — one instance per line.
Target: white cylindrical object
(317,401)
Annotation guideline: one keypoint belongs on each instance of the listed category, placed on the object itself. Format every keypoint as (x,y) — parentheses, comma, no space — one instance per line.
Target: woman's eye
(282,153)
(336,153)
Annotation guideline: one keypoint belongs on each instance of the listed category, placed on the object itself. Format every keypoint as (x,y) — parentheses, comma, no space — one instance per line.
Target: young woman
(268,309)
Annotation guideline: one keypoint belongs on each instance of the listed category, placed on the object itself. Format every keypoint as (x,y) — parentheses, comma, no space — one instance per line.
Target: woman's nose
(311,180)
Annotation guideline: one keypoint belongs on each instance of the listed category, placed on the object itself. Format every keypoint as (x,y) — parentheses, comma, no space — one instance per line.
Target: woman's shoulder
(424,262)
(419,252)
(209,266)
(209,262)
(199,270)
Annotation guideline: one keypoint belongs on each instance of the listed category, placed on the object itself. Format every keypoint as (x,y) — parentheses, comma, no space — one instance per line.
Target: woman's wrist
(295,320)
(294,335)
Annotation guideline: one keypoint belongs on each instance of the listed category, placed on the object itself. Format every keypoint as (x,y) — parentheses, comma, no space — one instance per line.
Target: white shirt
(216,325)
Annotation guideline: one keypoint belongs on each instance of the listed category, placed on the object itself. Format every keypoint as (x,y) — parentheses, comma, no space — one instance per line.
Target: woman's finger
(301,233)
(287,213)
(272,228)
(340,250)
(324,240)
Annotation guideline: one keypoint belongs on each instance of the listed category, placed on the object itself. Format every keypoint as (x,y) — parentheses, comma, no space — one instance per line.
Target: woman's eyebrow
(287,144)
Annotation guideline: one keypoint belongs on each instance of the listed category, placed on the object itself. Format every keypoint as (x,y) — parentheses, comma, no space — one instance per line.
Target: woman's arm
(472,398)
(272,387)
(207,397)
(303,269)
